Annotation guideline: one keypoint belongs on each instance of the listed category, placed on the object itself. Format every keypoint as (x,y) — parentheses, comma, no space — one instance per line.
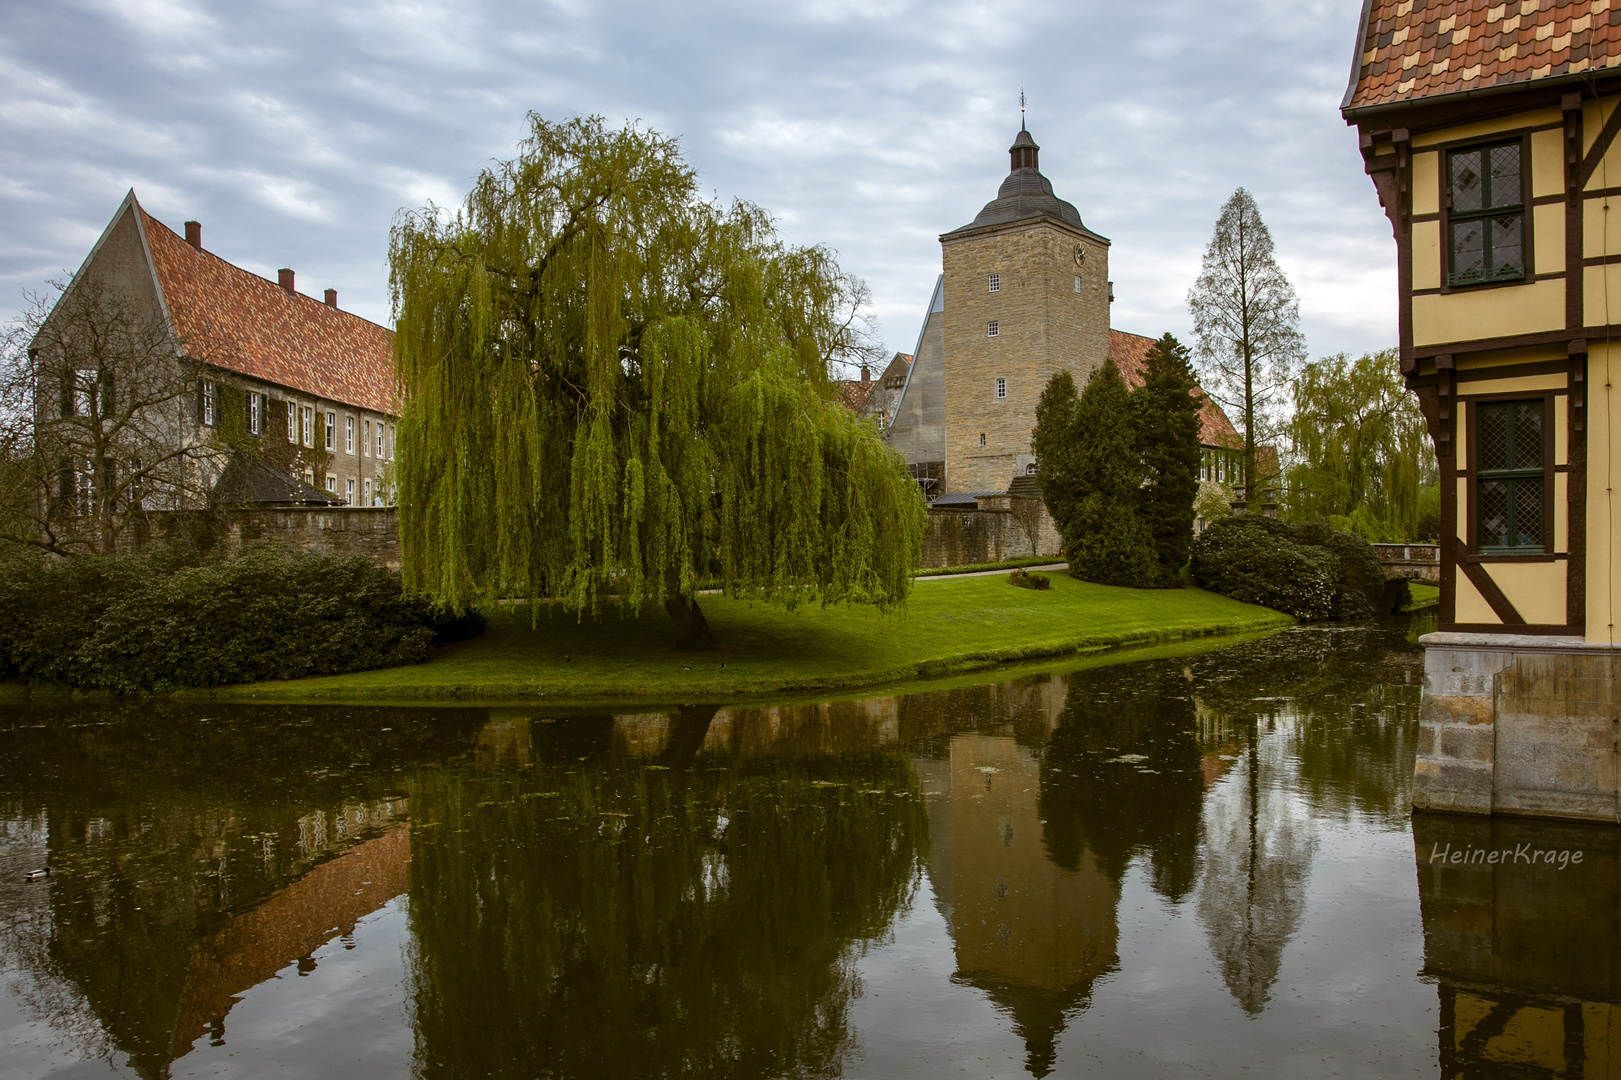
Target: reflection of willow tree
(1323,718)
(161,821)
(609,923)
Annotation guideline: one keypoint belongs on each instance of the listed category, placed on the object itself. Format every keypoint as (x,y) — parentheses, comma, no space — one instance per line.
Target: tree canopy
(614,388)
(1247,324)
(1168,433)
(1362,459)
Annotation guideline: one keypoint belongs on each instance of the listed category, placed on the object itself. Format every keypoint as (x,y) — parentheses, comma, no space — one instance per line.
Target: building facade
(1488,133)
(293,400)
(1024,293)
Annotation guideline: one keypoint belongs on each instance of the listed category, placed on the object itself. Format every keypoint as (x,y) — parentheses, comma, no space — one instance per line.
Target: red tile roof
(853,393)
(1412,49)
(254,326)
(1130,354)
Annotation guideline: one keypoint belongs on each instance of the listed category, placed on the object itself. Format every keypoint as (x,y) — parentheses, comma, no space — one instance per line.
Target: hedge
(128,623)
(1309,571)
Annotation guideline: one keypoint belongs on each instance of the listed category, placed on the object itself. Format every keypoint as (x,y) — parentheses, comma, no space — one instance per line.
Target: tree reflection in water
(696,918)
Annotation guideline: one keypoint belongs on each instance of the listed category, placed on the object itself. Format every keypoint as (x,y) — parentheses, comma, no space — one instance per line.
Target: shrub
(1309,571)
(125,623)
(1024,579)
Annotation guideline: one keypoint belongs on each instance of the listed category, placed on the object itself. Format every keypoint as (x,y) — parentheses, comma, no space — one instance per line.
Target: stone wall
(1001,527)
(1519,724)
(345,530)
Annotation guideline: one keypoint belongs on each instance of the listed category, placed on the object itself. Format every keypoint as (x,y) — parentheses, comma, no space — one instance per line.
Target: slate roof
(252,325)
(1026,195)
(1130,353)
(1412,49)
(247,481)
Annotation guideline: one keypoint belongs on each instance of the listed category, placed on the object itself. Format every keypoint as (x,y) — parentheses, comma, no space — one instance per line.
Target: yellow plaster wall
(1537,590)
(1530,384)
(1603,471)
(1548,233)
(1427,183)
(1489,313)
(1547,163)
(1561,513)
(1601,294)
(1601,228)
(1516,122)
(1471,606)
(1594,114)
(1426,255)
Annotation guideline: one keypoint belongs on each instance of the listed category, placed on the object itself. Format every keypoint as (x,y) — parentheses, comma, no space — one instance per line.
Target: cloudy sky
(296,130)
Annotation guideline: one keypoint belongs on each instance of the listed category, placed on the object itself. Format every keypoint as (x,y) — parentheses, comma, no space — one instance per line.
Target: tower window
(1001,389)
(1030,469)
(996,283)
(1077,283)
(982,439)
(991,329)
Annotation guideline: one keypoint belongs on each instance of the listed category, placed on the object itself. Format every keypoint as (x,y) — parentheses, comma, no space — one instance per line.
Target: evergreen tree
(1167,415)
(1095,477)
(614,388)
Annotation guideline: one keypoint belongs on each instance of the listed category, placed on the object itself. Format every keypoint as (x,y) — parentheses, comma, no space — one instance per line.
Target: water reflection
(695,892)
(1526,955)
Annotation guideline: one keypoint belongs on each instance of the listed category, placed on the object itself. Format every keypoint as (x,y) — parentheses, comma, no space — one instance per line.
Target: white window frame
(996,283)
(210,404)
(255,414)
(993,329)
(307,425)
(331,432)
(365,490)
(393,436)
(332,483)
(365,442)
(379,440)
(1001,388)
(292,422)
(348,435)
(349,491)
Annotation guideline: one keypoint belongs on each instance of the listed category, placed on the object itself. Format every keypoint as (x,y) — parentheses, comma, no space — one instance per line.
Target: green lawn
(1423,595)
(950,625)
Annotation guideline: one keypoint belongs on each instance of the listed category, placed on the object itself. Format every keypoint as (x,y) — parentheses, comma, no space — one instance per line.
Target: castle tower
(1025,293)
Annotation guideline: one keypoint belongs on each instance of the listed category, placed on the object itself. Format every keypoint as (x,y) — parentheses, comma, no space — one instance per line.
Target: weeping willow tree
(615,390)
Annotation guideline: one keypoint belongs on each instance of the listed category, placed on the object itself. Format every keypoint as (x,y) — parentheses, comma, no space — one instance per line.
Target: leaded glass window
(1487,220)
(1510,478)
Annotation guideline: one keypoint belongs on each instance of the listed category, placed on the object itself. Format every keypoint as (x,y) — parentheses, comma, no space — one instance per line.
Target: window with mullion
(1486,215)
(1510,477)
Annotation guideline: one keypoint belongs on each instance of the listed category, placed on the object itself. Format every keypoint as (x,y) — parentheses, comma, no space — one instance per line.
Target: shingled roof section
(1130,355)
(255,327)
(1411,49)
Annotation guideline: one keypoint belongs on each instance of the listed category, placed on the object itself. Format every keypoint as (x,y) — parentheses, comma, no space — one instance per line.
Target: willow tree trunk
(691,628)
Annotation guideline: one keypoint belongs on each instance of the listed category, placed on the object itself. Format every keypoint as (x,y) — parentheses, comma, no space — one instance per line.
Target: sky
(296,131)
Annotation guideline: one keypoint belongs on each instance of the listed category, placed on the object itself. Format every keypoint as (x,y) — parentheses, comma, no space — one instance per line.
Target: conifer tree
(613,388)
(1167,415)
(1095,479)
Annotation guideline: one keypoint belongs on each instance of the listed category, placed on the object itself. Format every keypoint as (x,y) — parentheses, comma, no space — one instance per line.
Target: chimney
(866,375)
(332,298)
(284,278)
(194,234)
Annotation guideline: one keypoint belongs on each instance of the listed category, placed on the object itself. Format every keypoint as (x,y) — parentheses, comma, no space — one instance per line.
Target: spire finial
(1021,106)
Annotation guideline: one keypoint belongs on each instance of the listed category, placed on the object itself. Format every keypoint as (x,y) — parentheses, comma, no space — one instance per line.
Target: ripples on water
(1196,863)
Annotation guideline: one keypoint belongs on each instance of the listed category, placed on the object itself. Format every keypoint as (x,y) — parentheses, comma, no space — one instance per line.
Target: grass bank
(951,625)
(1423,595)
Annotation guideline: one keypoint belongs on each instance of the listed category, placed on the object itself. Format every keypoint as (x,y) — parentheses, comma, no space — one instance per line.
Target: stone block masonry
(1003,527)
(345,530)
(1515,724)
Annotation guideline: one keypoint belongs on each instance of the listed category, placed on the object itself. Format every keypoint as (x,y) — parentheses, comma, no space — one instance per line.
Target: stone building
(304,385)
(872,398)
(1024,294)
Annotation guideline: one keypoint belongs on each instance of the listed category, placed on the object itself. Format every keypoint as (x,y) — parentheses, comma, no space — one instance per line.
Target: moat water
(1199,862)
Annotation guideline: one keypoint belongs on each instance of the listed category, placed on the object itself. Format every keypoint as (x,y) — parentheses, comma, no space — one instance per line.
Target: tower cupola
(1023,152)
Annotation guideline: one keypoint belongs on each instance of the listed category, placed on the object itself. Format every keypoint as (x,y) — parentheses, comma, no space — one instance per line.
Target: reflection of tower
(1031,934)
(1258,850)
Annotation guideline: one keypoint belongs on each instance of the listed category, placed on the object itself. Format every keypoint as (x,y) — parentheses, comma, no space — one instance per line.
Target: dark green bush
(1309,571)
(125,623)
(1024,579)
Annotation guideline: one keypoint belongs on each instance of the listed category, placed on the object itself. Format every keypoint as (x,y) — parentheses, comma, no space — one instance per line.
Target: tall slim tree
(614,388)
(1247,324)
(1167,418)
(1091,478)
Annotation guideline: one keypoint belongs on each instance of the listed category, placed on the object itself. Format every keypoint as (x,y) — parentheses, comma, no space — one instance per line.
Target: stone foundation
(1515,724)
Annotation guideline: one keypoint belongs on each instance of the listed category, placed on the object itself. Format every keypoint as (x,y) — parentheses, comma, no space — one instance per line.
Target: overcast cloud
(296,130)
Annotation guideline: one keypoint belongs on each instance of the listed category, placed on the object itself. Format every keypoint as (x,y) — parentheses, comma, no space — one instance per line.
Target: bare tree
(1247,324)
(98,419)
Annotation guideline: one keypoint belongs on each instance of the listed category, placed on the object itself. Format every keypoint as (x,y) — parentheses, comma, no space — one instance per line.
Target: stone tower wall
(1043,324)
